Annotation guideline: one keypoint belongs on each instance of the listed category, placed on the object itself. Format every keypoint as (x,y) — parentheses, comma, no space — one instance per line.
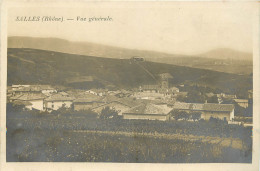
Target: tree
(177,114)
(108,113)
(195,116)
(195,96)
(181,99)
(213,99)
(227,101)
(185,115)
(10,107)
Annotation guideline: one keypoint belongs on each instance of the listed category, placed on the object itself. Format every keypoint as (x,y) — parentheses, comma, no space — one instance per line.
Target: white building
(34,101)
(148,112)
(57,101)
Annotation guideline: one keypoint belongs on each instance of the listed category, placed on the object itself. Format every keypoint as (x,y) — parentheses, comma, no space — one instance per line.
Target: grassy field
(79,138)
(63,146)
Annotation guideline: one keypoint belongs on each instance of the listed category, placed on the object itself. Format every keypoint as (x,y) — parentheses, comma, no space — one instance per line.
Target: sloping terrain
(31,66)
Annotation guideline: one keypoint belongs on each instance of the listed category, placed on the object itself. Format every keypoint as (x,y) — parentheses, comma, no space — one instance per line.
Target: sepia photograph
(135,82)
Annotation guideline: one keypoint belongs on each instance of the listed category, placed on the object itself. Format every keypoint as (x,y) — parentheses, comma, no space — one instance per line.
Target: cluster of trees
(241,88)
(196,96)
(108,113)
(179,114)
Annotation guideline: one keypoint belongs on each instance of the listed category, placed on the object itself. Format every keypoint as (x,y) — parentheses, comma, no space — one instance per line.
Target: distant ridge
(225,53)
(99,50)
(81,48)
(222,60)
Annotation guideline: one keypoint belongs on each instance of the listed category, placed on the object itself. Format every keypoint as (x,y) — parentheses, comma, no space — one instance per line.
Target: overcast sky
(182,28)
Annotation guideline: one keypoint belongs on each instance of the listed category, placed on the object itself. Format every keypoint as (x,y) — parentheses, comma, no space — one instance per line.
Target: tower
(165,80)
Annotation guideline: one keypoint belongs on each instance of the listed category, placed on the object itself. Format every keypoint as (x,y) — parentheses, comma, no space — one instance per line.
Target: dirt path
(225,142)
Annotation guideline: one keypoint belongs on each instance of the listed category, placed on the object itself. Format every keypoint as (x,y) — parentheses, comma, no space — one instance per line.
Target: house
(208,110)
(15,87)
(87,103)
(174,90)
(57,101)
(227,96)
(31,101)
(115,105)
(150,88)
(210,94)
(148,112)
(220,111)
(148,95)
(46,89)
(97,92)
(64,93)
(34,89)
(119,104)
(27,90)
(137,58)
(242,102)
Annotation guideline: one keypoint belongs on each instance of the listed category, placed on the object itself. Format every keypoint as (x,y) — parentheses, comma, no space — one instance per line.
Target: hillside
(225,53)
(242,67)
(30,66)
(222,60)
(81,48)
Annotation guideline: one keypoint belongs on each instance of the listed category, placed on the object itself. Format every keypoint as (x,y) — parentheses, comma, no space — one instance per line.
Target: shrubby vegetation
(64,146)
(47,137)
(108,113)
(179,114)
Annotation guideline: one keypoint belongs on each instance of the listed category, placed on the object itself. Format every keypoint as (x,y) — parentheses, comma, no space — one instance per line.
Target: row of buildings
(47,98)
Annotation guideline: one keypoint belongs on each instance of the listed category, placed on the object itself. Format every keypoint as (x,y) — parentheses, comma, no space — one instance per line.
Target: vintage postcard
(129,85)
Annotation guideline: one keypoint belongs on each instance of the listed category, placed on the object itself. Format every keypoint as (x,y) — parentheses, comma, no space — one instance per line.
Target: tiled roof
(128,102)
(150,109)
(28,89)
(88,99)
(125,101)
(28,97)
(183,106)
(19,102)
(205,107)
(150,87)
(59,97)
(197,106)
(110,98)
(218,107)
